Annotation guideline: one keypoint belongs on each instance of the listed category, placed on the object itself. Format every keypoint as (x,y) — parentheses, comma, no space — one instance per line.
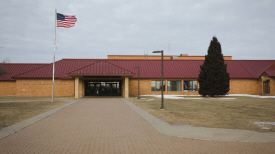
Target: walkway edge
(6,131)
(190,132)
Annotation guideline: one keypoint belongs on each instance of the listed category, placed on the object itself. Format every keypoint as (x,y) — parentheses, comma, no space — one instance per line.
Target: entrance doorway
(102,88)
(266,87)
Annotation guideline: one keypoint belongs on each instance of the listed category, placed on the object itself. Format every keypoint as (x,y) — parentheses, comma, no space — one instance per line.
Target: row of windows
(174,85)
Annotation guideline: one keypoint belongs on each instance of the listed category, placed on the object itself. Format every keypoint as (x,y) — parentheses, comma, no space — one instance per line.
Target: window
(190,85)
(156,85)
(174,86)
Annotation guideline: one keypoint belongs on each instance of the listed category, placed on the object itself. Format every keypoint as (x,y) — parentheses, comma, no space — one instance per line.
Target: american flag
(66,21)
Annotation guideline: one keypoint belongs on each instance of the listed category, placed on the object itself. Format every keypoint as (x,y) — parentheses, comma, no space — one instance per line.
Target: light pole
(138,82)
(161,51)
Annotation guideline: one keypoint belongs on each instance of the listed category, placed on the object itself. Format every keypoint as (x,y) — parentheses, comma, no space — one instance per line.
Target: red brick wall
(44,87)
(7,88)
(245,86)
(145,87)
(66,87)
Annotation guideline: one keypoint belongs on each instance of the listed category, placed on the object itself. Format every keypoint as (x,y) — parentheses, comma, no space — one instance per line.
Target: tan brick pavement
(108,125)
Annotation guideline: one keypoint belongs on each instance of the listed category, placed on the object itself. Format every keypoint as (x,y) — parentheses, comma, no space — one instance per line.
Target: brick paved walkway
(108,125)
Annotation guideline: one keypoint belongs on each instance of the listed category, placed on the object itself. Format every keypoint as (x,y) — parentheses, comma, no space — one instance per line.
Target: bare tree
(2,71)
(6,60)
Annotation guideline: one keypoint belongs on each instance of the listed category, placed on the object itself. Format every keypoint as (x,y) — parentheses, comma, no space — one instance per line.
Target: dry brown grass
(13,112)
(14,98)
(238,113)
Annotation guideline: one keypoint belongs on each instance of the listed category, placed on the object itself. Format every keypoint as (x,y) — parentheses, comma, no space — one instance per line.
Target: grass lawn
(221,112)
(12,112)
(14,98)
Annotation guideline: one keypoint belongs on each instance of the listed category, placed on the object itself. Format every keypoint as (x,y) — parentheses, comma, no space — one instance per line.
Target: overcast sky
(245,28)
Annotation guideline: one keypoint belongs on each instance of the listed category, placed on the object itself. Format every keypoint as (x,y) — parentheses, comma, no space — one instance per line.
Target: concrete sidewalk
(109,125)
(202,133)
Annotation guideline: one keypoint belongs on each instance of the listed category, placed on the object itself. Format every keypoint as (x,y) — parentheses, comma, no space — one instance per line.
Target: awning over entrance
(101,79)
(101,68)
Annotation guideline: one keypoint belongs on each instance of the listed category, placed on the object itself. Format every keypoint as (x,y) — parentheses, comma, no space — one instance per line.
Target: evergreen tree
(213,77)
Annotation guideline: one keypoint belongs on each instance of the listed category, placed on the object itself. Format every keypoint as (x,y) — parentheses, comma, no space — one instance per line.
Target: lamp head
(160,51)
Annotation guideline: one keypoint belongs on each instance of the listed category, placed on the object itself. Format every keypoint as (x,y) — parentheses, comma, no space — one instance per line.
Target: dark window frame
(155,83)
(190,85)
(173,87)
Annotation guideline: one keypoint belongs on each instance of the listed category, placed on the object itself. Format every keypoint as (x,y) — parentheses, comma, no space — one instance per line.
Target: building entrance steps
(109,125)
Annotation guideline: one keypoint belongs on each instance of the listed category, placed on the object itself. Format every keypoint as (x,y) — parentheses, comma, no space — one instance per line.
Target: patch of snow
(226,98)
(229,95)
(173,96)
(264,124)
(193,98)
(166,96)
(246,95)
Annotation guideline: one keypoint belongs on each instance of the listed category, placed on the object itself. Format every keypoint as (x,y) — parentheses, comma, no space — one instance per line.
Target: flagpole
(54,48)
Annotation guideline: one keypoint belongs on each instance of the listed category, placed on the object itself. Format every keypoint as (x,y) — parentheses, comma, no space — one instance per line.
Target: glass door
(101,88)
(97,89)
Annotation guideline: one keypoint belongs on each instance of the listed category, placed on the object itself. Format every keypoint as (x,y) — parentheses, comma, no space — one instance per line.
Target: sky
(245,29)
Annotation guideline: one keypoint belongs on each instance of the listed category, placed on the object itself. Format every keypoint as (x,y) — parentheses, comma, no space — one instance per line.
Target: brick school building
(117,76)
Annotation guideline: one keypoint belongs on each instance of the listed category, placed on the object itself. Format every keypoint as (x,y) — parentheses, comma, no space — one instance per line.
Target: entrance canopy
(102,79)
(101,68)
